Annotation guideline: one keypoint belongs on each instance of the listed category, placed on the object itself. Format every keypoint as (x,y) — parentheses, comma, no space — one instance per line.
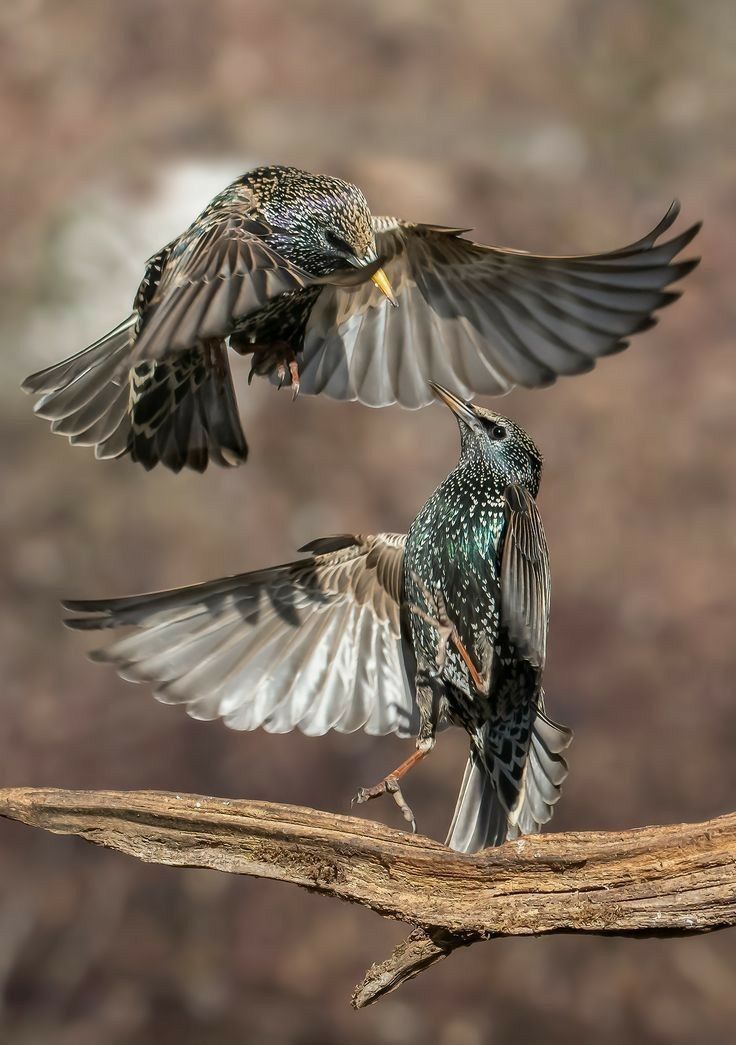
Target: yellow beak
(381,280)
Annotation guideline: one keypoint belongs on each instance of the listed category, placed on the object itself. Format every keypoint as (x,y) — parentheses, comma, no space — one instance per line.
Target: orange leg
(480,683)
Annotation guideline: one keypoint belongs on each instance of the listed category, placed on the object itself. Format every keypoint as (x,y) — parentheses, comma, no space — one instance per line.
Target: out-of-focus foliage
(562,126)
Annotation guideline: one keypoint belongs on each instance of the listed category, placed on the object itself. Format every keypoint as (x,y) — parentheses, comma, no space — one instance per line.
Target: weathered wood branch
(655,880)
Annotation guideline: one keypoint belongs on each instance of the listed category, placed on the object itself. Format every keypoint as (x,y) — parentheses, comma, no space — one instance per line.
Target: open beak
(381,280)
(458,406)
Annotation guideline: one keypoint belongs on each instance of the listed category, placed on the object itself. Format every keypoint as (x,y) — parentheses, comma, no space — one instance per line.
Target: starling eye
(337,242)
(497,432)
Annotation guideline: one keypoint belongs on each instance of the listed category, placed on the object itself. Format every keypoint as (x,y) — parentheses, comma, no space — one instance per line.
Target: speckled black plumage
(349,637)
(456,546)
(248,269)
(285,265)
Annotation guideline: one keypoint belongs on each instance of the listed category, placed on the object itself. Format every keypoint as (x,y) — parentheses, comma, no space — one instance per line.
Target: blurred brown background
(564,126)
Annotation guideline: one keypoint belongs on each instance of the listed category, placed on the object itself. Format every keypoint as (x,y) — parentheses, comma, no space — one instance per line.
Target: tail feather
(217,407)
(480,819)
(545,773)
(180,412)
(184,412)
(483,816)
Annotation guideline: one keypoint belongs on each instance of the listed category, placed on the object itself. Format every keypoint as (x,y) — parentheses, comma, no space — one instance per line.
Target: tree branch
(655,880)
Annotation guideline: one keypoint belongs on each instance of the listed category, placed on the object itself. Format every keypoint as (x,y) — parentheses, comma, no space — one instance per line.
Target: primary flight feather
(293,269)
(446,625)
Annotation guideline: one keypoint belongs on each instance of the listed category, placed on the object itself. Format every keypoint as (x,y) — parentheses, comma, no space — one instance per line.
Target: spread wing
(217,272)
(482,319)
(313,645)
(525,577)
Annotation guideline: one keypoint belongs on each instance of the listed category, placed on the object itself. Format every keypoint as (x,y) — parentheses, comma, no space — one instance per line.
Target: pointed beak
(381,280)
(458,406)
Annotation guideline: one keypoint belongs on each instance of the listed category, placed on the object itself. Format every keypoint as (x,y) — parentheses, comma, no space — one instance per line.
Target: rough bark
(665,880)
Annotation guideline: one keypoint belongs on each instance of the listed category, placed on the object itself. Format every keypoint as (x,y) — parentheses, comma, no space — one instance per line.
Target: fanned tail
(487,814)
(183,411)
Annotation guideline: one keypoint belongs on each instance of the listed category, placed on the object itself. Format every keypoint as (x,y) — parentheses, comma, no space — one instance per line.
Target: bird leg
(390,783)
(279,353)
(482,678)
(428,701)
(447,632)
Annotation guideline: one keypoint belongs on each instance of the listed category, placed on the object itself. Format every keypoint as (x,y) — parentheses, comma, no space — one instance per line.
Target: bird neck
(499,468)
(472,482)
(474,458)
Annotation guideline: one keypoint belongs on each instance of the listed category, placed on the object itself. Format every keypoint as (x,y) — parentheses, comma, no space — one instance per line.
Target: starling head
(511,453)
(319,223)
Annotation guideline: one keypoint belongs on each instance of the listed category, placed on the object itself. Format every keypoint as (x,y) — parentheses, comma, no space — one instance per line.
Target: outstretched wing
(525,577)
(482,319)
(219,271)
(313,645)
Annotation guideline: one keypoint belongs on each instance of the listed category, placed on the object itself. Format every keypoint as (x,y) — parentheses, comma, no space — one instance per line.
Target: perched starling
(285,265)
(388,633)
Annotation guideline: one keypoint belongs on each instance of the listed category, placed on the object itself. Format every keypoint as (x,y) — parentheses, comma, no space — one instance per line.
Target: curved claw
(294,372)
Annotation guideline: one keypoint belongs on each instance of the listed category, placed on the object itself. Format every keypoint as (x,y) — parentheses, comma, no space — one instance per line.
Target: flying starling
(446,625)
(284,265)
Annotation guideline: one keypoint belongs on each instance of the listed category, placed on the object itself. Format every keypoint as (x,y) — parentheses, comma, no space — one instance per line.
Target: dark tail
(183,411)
(484,816)
(180,412)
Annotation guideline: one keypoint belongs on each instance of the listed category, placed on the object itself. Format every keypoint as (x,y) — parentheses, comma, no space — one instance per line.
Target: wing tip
(684,268)
(93,615)
(76,605)
(85,623)
(30,384)
(672,213)
(101,656)
(323,545)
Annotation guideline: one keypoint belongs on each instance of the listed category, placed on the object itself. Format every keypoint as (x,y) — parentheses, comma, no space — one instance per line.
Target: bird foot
(293,376)
(388,786)
(280,356)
